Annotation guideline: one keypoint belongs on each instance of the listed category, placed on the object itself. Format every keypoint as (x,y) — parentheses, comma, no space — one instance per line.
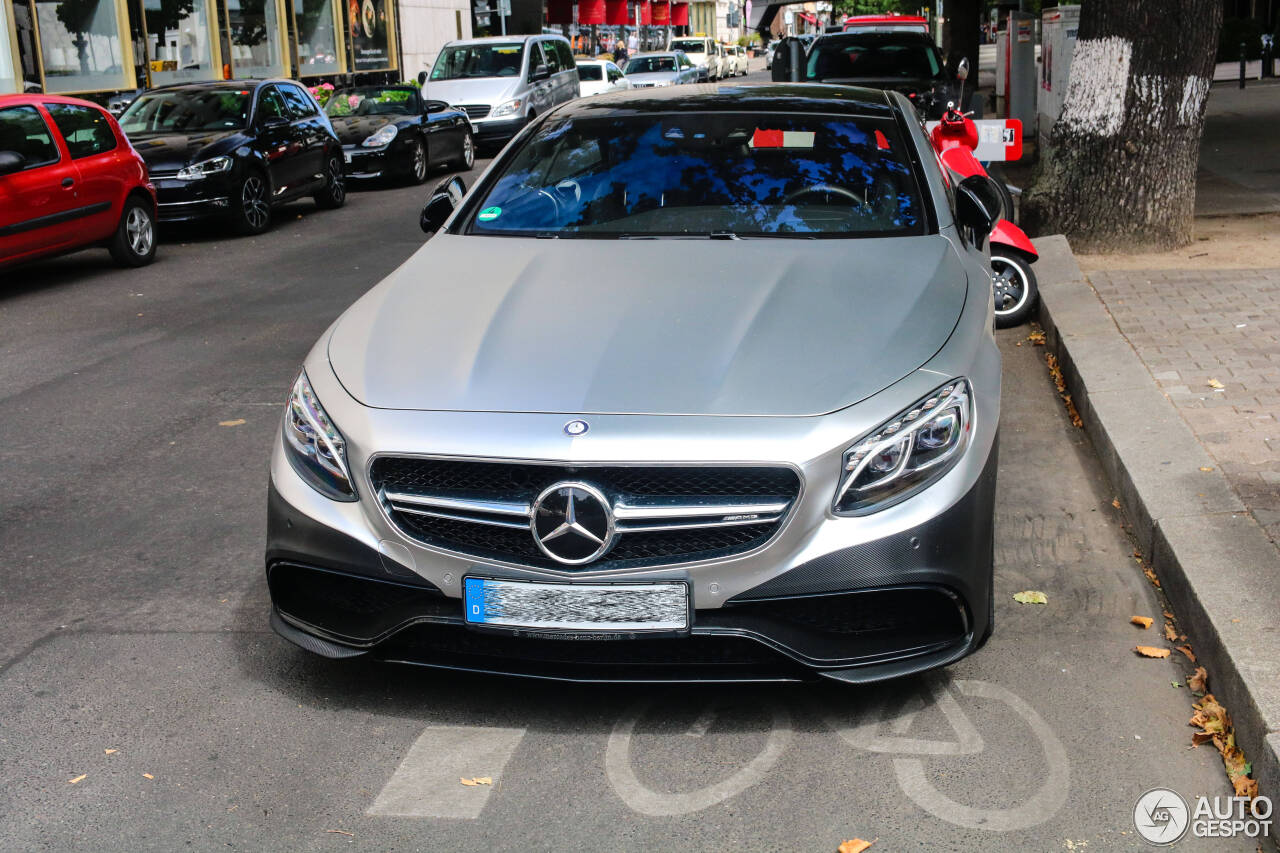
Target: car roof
(814,98)
(204,85)
(37,98)
(656,53)
(511,39)
(898,36)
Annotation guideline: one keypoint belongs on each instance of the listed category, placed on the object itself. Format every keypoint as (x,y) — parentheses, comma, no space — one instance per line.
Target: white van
(702,53)
(502,82)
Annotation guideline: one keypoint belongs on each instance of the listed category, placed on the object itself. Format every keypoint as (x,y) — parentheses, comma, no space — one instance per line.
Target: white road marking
(426,782)
(617,765)
(866,735)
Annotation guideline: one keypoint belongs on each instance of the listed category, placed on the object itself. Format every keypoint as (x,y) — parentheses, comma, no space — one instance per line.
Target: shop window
(317,37)
(179,40)
(82,47)
(84,129)
(370,34)
(24,131)
(256,49)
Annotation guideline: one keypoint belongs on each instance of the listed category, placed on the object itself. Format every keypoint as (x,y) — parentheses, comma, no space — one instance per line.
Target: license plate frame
(514,615)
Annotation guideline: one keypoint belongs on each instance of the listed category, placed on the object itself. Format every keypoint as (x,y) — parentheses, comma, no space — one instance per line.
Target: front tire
(416,162)
(1016,290)
(334,194)
(467,156)
(134,243)
(252,213)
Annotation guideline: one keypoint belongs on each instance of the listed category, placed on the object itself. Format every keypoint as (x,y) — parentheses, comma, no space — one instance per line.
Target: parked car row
(715,61)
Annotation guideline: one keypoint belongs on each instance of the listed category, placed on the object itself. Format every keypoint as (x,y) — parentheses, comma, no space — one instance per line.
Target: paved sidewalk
(1195,329)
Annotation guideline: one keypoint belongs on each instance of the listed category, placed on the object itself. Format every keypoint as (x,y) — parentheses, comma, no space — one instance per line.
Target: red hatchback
(69,179)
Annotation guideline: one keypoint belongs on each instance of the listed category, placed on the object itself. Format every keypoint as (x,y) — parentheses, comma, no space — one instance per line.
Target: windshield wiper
(723,235)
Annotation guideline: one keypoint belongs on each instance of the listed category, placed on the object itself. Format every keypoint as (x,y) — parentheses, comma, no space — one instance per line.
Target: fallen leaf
(470,783)
(479,780)
(1174,684)
(1170,633)
(1036,338)
(855,845)
(77,779)
(108,751)
(1151,651)
(339,831)
(1186,650)
(1203,468)
(1031,596)
(1115,502)
(236,422)
(1213,383)
(147,776)
(1199,680)
(1168,615)
(1144,621)
(1151,576)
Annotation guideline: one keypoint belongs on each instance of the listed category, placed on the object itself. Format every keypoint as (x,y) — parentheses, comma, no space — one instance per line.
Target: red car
(69,179)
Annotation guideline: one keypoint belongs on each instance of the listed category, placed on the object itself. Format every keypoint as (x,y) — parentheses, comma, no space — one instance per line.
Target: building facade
(96,47)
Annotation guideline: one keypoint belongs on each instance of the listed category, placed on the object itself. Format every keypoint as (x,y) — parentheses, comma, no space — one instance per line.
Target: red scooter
(1012,253)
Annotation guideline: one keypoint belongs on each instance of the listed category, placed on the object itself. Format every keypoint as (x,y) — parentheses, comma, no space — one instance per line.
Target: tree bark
(1119,172)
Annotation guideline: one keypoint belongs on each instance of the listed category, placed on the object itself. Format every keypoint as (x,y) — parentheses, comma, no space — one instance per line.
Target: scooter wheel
(1016,291)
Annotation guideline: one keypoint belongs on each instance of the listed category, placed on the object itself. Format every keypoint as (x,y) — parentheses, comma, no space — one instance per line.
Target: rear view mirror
(10,162)
(979,205)
(962,70)
(445,199)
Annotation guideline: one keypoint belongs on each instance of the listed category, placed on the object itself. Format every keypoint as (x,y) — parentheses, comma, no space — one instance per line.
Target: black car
(235,149)
(393,131)
(906,62)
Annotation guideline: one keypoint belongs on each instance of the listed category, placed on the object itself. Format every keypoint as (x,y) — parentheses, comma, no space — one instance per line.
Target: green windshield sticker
(489,213)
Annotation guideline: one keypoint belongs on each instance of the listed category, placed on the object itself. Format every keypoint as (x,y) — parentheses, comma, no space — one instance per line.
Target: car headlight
(507,109)
(906,453)
(315,448)
(382,136)
(204,169)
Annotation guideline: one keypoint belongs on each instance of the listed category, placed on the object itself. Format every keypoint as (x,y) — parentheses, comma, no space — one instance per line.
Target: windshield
(590,72)
(186,110)
(690,45)
(706,175)
(478,60)
(868,55)
(371,101)
(650,64)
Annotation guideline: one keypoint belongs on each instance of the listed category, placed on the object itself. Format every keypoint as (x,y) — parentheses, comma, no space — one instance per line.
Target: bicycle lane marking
(427,783)
(646,801)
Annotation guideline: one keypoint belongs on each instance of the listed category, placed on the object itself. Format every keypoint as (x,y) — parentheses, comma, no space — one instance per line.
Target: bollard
(1243,54)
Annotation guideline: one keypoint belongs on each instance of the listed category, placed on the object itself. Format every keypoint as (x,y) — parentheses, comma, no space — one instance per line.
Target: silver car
(655,70)
(503,82)
(495,461)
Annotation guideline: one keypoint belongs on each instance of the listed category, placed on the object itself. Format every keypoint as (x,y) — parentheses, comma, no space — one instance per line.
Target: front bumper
(492,131)
(362,163)
(178,201)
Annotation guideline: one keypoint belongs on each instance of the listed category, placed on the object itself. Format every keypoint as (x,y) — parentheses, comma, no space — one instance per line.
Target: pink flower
(353,101)
(328,86)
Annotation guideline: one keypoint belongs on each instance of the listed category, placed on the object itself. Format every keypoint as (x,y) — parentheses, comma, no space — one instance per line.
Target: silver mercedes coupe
(694,384)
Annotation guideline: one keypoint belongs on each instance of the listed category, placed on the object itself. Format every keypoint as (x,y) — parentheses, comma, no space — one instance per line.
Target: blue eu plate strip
(473,593)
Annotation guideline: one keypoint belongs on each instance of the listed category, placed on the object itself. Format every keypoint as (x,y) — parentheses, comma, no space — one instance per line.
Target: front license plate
(577,606)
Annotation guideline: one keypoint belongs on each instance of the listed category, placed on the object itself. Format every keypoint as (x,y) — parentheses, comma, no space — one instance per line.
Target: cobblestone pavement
(1196,329)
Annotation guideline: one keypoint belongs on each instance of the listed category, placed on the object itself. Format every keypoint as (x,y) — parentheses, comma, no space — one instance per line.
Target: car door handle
(67,183)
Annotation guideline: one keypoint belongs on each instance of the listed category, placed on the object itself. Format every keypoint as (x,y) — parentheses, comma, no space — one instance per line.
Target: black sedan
(393,131)
(235,150)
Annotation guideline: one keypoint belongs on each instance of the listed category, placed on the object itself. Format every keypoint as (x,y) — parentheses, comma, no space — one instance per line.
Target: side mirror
(979,205)
(422,79)
(444,200)
(434,106)
(541,72)
(962,70)
(10,162)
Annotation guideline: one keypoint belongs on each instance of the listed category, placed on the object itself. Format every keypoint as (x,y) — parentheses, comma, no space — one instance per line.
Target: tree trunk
(1119,172)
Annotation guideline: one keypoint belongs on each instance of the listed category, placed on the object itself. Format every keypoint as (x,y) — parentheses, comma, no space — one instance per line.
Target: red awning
(615,12)
(559,11)
(680,14)
(661,13)
(590,11)
(813,19)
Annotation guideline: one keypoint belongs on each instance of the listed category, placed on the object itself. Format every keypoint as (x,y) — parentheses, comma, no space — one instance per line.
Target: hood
(726,327)
(479,90)
(352,130)
(164,152)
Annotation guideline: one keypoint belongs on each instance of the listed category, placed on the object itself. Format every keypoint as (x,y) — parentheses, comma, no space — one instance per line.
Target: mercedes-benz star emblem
(576,428)
(572,523)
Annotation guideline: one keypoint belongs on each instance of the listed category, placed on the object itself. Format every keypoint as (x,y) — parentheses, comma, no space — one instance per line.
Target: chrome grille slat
(493,522)
(463,504)
(625,512)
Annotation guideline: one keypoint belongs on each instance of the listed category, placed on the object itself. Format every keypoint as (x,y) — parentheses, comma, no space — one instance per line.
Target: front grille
(475,111)
(664,514)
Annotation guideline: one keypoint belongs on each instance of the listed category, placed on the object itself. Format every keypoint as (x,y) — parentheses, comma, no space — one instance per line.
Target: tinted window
(85,129)
(22,129)
(690,45)
(566,55)
(299,104)
(181,110)
(647,64)
(551,57)
(589,72)
(270,105)
(873,55)
(478,60)
(614,73)
(696,174)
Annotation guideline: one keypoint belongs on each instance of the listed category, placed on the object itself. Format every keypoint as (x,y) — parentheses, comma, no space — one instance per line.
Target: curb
(1214,562)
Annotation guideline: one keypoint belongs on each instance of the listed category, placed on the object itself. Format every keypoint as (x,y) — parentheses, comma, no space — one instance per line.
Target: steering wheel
(828,189)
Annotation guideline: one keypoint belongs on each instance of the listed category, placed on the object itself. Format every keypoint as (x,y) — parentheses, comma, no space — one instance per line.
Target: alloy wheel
(468,151)
(419,162)
(338,189)
(140,231)
(253,200)
(1010,286)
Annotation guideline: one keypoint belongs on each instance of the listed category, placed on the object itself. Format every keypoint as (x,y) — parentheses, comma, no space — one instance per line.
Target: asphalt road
(135,653)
